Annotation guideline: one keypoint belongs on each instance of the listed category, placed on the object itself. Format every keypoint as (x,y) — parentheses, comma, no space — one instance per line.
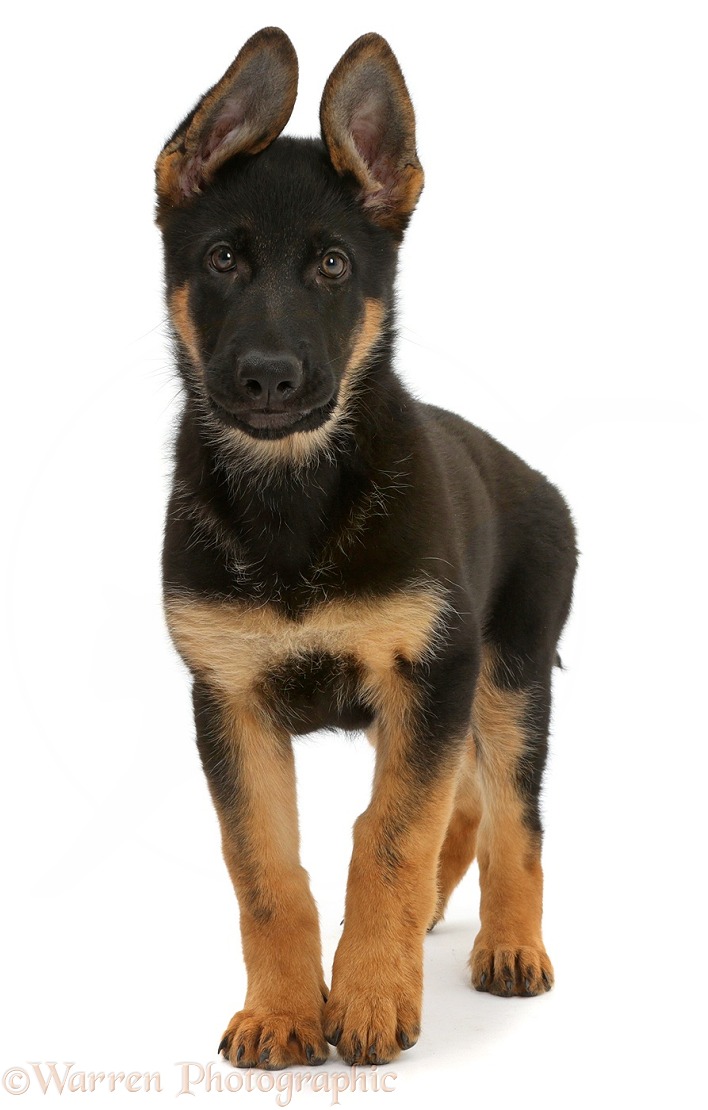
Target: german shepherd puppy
(339,555)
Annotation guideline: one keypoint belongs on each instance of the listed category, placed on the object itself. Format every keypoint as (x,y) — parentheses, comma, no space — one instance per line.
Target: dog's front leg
(374,1008)
(248,761)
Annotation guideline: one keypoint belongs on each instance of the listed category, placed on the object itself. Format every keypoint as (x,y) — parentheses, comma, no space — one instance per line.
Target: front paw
(371,1025)
(261,1038)
(507,969)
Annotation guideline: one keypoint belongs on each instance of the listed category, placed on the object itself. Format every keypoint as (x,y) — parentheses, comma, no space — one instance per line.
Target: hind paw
(507,970)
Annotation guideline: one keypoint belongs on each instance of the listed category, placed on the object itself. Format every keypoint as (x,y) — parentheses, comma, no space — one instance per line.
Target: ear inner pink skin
(368,126)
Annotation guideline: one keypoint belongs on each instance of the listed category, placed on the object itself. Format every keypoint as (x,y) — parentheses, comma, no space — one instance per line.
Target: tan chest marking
(234,644)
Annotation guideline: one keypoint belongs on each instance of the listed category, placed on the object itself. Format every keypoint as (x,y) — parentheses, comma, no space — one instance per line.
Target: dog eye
(334,264)
(222,258)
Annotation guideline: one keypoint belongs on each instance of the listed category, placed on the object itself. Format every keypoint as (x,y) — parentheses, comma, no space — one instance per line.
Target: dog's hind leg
(459,846)
(249,764)
(510,721)
(458,849)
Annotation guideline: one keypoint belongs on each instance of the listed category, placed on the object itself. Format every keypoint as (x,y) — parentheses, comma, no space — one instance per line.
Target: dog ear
(241,114)
(368,127)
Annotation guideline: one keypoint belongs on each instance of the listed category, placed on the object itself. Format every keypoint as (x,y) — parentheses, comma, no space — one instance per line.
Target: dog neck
(287,521)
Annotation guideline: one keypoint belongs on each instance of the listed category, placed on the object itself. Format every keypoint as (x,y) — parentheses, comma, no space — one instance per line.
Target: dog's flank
(339,555)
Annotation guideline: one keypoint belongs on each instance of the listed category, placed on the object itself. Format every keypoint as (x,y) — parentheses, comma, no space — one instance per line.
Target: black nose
(269,380)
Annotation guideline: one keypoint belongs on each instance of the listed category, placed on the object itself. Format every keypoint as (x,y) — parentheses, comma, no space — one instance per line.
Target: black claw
(264,1056)
(241,1052)
(224,1044)
(546,980)
(483,979)
(404,1039)
(527,986)
(372,1053)
(335,1037)
(312,1058)
(509,985)
(356,1048)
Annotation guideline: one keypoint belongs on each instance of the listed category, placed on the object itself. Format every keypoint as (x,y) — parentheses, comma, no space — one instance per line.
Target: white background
(553,290)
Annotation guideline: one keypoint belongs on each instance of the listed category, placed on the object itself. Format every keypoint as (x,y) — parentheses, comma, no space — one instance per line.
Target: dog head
(280,253)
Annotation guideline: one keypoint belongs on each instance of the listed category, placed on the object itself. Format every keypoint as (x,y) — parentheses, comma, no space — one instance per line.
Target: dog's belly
(317,690)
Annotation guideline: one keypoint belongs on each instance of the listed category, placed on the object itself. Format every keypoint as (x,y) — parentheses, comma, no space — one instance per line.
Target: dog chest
(337,645)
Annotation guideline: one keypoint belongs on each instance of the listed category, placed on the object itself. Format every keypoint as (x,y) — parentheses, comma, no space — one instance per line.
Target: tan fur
(374,1007)
(184,325)
(508,955)
(460,842)
(488,817)
(167,173)
(498,720)
(234,644)
(365,342)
